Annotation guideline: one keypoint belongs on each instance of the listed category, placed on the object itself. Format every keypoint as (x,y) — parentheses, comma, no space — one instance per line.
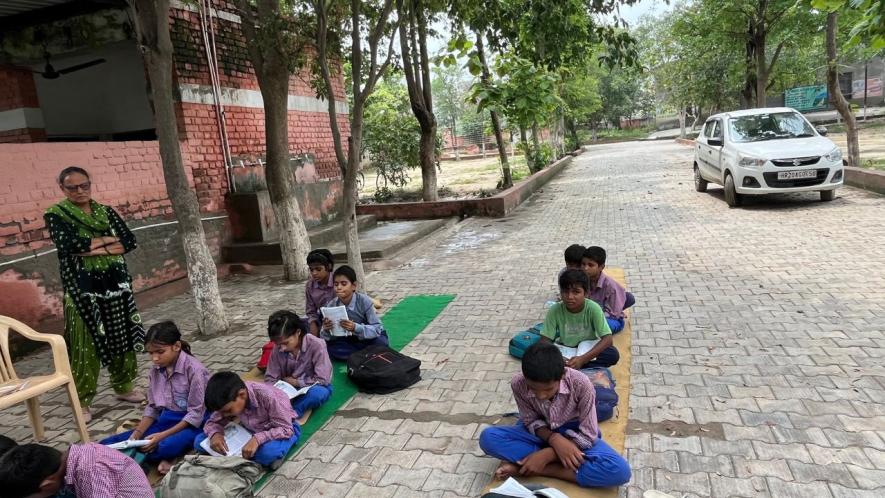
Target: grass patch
(878,164)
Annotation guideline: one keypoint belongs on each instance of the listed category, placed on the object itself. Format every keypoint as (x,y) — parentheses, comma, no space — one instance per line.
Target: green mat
(403,323)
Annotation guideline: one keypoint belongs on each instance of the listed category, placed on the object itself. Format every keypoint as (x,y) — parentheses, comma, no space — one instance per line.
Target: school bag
(606,396)
(203,476)
(381,370)
(523,340)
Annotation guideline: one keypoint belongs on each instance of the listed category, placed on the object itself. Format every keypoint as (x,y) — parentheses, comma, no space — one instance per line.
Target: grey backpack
(203,476)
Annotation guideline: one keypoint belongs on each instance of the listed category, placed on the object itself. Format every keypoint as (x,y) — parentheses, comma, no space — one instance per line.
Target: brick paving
(758,356)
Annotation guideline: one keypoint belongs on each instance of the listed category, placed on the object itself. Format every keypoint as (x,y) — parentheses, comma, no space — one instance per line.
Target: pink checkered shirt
(576,400)
(96,471)
(183,391)
(268,414)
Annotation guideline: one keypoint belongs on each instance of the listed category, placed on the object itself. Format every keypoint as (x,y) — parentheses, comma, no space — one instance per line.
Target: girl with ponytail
(175,414)
(300,359)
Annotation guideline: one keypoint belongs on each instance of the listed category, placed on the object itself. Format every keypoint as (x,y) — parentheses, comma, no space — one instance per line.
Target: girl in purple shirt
(299,359)
(175,414)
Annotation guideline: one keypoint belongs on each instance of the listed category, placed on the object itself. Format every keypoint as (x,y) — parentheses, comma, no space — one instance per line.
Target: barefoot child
(557,434)
(88,470)
(263,410)
(174,414)
(363,325)
(604,290)
(576,319)
(299,359)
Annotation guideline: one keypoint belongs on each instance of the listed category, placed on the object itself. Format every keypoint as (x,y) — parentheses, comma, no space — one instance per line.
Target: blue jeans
(170,448)
(267,453)
(340,348)
(314,397)
(602,467)
(615,324)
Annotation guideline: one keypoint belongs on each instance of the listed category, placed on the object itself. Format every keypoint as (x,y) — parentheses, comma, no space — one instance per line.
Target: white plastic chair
(39,384)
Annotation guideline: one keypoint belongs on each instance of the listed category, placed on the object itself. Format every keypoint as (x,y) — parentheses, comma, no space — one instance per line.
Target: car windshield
(773,126)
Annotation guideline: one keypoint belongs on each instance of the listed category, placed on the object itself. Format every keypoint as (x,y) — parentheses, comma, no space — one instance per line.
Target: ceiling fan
(49,72)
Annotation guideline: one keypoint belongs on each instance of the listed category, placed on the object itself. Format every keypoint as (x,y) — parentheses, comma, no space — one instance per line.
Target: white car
(766,151)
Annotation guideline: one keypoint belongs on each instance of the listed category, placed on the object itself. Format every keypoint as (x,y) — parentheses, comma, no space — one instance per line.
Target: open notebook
(512,487)
(235,435)
(583,347)
(291,391)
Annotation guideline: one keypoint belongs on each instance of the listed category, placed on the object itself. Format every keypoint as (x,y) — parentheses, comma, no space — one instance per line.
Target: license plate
(796,175)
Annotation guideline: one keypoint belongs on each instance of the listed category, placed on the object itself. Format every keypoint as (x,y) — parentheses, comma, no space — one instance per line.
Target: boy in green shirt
(576,319)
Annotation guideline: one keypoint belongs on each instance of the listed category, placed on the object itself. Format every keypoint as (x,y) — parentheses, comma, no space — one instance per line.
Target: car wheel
(732,198)
(827,195)
(700,185)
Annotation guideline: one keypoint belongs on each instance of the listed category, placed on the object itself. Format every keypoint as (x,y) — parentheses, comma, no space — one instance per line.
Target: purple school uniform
(311,364)
(316,295)
(183,391)
(96,471)
(609,295)
(268,415)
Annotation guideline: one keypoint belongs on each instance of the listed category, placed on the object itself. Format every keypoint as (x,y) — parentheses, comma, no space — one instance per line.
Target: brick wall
(128,175)
(18,92)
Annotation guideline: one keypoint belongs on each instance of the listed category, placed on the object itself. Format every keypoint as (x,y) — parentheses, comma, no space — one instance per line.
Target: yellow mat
(614,430)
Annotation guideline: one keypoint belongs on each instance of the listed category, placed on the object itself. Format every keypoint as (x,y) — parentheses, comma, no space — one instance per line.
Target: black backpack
(381,370)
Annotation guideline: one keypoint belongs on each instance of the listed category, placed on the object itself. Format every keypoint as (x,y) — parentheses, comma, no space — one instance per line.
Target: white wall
(103,99)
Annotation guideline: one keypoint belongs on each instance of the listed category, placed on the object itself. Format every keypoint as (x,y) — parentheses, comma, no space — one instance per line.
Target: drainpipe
(207,27)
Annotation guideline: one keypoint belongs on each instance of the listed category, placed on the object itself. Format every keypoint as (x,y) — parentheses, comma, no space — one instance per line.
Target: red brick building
(99,117)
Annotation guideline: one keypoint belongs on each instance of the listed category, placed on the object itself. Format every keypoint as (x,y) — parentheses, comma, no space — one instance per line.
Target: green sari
(102,323)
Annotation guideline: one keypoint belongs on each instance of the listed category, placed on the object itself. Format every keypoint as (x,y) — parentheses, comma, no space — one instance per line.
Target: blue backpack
(523,340)
(606,396)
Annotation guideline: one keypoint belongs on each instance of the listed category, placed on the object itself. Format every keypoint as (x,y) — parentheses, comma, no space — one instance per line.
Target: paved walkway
(758,357)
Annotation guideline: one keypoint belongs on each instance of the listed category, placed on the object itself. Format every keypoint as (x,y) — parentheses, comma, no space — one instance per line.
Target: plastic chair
(39,384)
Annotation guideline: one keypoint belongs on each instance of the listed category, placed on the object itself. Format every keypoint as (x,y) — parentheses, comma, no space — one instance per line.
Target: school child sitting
(576,319)
(318,290)
(88,470)
(174,414)
(557,434)
(263,410)
(363,326)
(605,291)
(299,359)
(573,255)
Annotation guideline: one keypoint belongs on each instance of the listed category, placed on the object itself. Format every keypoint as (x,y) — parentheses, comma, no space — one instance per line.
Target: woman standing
(102,324)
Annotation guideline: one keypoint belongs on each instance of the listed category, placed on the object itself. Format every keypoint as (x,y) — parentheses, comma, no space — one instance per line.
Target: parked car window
(708,128)
(773,126)
(717,129)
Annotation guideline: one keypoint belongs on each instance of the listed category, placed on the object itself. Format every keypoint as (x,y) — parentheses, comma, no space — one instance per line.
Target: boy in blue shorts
(557,434)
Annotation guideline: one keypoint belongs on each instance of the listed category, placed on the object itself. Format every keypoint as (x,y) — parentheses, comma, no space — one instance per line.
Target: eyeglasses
(83,186)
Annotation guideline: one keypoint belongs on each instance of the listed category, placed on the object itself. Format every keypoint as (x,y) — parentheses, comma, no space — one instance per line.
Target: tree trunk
(416,69)
(682,122)
(294,241)
(506,174)
(747,94)
(572,129)
(268,58)
(455,139)
(761,67)
(427,153)
(152,26)
(350,196)
(835,92)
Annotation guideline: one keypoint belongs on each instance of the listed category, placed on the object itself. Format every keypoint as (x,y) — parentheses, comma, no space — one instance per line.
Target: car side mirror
(714,142)
(822,130)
